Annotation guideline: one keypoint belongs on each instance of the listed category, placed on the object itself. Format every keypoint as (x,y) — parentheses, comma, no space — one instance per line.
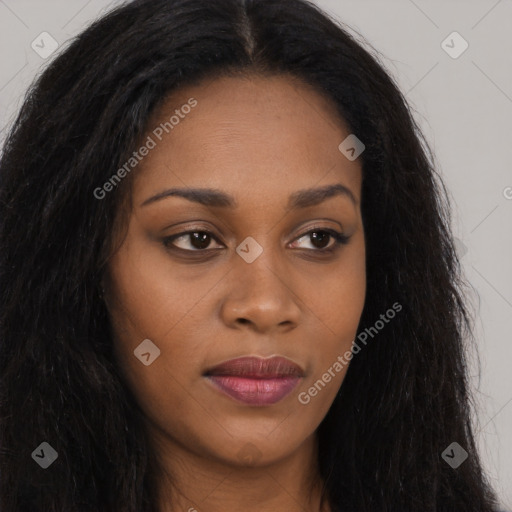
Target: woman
(311,358)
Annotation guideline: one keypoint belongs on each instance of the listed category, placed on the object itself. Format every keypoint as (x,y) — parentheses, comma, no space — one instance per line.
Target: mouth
(256,381)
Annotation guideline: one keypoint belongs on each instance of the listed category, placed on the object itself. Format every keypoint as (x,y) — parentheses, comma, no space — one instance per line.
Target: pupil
(322,237)
(200,238)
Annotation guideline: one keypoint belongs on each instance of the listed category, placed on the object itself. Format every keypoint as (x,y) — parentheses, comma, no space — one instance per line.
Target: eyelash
(339,240)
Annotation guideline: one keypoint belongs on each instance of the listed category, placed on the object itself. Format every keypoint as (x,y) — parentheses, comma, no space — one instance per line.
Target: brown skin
(258,139)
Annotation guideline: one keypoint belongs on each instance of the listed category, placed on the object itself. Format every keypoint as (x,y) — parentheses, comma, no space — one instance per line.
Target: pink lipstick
(254,380)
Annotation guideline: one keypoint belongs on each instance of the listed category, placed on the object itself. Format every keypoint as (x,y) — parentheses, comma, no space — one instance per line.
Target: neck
(197,482)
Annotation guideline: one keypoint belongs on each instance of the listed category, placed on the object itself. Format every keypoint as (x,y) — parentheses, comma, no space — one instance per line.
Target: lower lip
(254,391)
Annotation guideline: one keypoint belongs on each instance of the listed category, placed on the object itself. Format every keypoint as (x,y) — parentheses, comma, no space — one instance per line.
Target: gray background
(464,106)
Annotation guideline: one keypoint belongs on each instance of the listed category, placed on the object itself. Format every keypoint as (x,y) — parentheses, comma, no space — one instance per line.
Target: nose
(261,296)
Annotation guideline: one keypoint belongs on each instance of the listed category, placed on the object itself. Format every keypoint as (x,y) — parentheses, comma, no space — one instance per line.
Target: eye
(199,240)
(319,239)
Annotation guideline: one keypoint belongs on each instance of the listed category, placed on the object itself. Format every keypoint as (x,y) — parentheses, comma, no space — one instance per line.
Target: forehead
(272,135)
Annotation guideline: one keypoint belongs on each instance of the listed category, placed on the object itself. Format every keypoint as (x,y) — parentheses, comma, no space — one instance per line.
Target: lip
(255,380)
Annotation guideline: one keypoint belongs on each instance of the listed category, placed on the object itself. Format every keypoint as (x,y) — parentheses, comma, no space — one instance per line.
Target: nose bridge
(261,293)
(258,268)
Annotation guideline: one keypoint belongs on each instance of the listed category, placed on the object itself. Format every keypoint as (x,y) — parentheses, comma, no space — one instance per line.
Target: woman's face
(262,276)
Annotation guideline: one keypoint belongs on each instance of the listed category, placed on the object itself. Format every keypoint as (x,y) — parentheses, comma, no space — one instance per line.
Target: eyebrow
(216,198)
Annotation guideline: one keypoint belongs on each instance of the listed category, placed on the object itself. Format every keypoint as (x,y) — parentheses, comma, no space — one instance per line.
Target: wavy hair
(406,396)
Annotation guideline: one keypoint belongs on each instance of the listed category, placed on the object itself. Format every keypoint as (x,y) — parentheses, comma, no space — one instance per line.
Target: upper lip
(257,367)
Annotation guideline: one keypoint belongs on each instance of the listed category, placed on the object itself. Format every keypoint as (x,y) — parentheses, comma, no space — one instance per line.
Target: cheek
(335,298)
(336,304)
(149,309)
(152,296)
